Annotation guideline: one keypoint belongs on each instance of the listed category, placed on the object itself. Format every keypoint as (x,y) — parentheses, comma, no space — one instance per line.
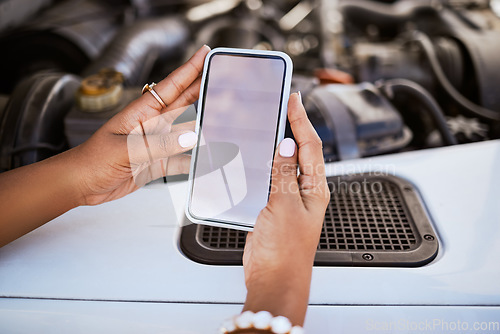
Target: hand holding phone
(283,244)
(241,119)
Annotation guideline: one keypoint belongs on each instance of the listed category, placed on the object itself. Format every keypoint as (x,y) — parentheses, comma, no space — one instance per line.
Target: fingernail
(287,148)
(187,139)
(206,46)
(300,96)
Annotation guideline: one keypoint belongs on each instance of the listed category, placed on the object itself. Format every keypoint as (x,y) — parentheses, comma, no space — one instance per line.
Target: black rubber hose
(428,48)
(396,86)
(32,126)
(135,49)
(384,14)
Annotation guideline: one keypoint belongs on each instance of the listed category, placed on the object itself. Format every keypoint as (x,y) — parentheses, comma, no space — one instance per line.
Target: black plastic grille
(357,218)
(370,220)
(222,238)
(366,219)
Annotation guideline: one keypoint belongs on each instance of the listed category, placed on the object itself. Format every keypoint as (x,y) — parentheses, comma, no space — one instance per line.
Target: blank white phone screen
(238,133)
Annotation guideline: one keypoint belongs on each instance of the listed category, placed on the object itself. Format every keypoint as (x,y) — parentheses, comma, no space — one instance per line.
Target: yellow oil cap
(100,91)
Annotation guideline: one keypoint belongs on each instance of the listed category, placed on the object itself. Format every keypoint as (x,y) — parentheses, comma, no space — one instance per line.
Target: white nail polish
(287,148)
(187,139)
(300,96)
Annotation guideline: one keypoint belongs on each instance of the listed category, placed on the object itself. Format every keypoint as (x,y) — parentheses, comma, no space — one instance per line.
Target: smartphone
(240,121)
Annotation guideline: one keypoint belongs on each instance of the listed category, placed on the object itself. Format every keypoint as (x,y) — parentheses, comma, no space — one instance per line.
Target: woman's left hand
(136,146)
(140,143)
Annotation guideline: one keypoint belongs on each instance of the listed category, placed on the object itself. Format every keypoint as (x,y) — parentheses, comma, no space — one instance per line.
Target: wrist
(70,174)
(282,292)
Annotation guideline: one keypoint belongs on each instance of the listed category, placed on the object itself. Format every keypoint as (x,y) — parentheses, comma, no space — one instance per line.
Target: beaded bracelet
(261,321)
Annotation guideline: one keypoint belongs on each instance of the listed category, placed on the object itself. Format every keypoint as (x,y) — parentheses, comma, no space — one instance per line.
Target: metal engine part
(446,50)
(62,38)
(449,47)
(79,125)
(31,128)
(355,121)
(13,14)
(466,130)
(136,48)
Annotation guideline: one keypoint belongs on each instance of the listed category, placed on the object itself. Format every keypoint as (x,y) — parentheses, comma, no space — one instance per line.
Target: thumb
(284,172)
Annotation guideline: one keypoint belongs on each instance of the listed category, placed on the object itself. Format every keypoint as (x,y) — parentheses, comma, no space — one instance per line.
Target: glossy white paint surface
(127,250)
(50,316)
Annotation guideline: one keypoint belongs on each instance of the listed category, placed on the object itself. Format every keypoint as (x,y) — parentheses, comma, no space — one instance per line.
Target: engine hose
(427,47)
(32,127)
(385,14)
(395,86)
(135,49)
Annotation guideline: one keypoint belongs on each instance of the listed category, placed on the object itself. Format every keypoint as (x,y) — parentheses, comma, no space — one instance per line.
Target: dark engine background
(377,76)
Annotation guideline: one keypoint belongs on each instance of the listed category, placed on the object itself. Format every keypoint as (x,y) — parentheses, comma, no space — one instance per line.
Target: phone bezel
(280,127)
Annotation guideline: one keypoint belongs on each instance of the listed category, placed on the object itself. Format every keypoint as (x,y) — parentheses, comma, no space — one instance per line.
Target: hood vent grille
(370,221)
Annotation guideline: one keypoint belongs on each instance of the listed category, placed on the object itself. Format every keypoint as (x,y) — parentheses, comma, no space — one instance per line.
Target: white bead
(281,325)
(228,326)
(297,330)
(262,320)
(244,320)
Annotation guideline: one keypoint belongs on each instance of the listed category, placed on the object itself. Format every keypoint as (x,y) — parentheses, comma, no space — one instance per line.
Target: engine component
(375,15)
(454,49)
(63,38)
(390,60)
(136,48)
(31,128)
(100,91)
(285,25)
(466,130)
(15,12)
(470,129)
(128,59)
(418,93)
(80,124)
(355,121)
(246,33)
(211,8)
(487,92)
(4,99)
(447,49)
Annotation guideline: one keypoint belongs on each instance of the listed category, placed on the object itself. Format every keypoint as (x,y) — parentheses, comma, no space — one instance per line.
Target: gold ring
(150,88)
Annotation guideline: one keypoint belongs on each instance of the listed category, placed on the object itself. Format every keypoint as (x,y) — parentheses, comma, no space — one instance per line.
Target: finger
(184,101)
(189,96)
(179,164)
(166,145)
(308,141)
(149,148)
(146,107)
(189,126)
(161,123)
(284,185)
(138,116)
(158,125)
(170,166)
(312,178)
(170,88)
(172,114)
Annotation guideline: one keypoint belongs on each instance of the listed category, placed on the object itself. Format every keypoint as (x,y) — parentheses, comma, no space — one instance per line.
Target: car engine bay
(377,77)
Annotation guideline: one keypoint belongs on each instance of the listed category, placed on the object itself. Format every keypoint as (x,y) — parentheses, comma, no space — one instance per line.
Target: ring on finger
(150,88)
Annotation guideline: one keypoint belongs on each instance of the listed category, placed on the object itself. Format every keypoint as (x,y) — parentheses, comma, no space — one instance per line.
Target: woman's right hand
(279,253)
